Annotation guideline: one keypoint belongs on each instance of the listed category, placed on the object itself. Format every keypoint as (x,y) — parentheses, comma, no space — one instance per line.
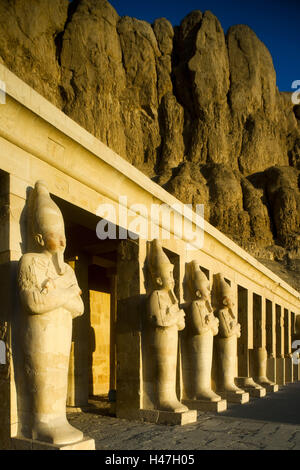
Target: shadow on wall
(280,407)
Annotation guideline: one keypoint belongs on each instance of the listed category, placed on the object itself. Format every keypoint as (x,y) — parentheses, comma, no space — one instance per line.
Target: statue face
(228,302)
(55,242)
(166,279)
(52,242)
(203,292)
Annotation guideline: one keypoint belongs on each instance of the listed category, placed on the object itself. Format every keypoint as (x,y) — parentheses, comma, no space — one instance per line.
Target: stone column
(280,362)
(258,306)
(113,355)
(78,379)
(271,339)
(244,342)
(288,346)
(128,334)
(296,367)
(7,292)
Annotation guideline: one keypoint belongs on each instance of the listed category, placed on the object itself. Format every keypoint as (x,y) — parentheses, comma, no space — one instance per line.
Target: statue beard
(59,262)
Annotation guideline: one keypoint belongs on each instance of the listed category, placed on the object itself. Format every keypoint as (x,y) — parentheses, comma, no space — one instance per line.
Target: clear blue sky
(276,23)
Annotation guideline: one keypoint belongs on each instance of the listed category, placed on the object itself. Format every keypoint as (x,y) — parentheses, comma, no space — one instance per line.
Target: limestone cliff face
(197,111)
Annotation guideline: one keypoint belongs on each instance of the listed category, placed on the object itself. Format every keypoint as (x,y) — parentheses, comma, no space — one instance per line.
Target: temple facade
(193,318)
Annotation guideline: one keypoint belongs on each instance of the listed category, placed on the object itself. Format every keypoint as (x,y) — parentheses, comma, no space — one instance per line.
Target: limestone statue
(229,331)
(202,326)
(165,318)
(50,298)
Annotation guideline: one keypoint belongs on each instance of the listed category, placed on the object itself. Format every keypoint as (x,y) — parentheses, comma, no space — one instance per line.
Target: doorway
(92,369)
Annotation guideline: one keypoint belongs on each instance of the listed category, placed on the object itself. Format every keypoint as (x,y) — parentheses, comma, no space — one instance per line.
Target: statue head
(160,267)
(224,293)
(198,282)
(48,225)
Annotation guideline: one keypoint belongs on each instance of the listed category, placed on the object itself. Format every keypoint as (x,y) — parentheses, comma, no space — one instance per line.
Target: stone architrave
(50,299)
(165,319)
(226,342)
(201,326)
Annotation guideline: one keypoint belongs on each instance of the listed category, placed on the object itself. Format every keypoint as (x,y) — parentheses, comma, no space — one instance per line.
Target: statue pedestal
(233,397)
(168,417)
(256,392)
(248,384)
(21,443)
(204,405)
(269,387)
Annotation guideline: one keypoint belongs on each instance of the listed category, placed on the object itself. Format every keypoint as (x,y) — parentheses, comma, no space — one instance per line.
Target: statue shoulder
(28,261)
(153,298)
(26,258)
(27,271)
(31,266)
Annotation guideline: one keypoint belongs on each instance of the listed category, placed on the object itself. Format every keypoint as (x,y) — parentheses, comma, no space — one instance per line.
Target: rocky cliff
(198,111)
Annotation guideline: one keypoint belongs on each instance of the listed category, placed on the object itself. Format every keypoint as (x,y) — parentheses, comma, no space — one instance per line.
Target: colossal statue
(229,331)
(165,319)
(50,299)
(202,326)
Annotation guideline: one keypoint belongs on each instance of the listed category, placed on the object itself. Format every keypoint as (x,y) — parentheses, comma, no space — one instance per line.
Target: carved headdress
(222,289)
(196,277)
(44,217)
(157,259)
(45,214)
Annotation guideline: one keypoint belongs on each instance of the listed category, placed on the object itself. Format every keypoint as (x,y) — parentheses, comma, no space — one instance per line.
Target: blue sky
(276,23)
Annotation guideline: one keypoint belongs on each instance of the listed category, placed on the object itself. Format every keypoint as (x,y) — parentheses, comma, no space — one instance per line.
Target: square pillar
(296,367)
(128,332)
(245,342)
(271,340)
(7,292)
(288,346)
(280,360)
(258,335)
(78,378)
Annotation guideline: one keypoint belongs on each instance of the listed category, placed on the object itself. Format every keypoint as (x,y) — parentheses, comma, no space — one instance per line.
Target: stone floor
(270,423)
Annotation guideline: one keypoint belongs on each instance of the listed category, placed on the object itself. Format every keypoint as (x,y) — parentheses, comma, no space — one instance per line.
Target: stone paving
(270,423)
